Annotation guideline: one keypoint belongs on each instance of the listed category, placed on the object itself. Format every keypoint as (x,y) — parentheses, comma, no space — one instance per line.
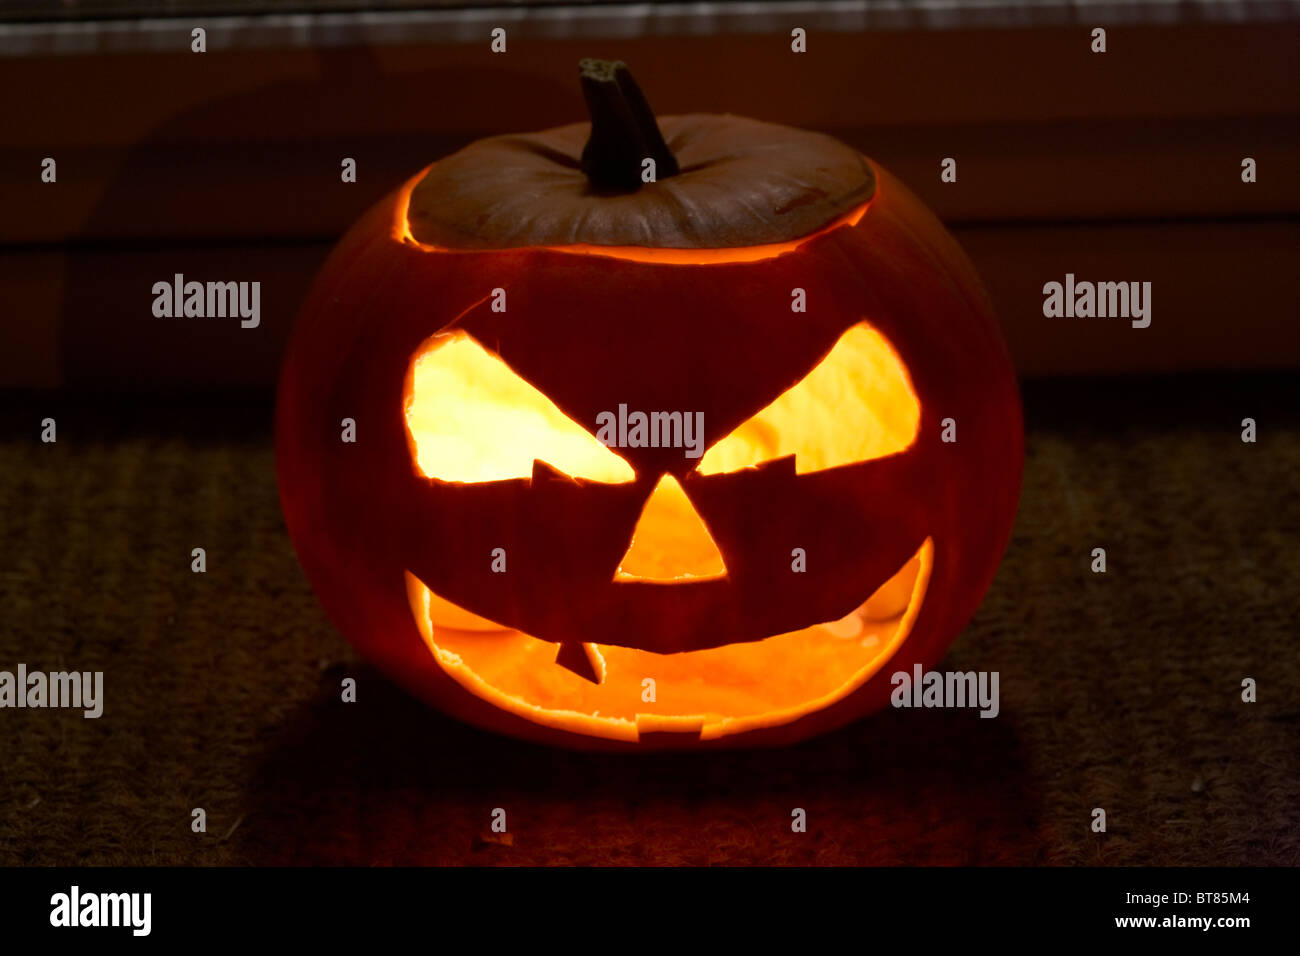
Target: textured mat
(1119,691)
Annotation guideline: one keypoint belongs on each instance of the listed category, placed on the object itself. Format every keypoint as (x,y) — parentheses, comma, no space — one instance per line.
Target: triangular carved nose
(670,541)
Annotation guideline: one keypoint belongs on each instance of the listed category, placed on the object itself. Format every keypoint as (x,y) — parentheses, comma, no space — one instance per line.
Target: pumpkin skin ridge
(948,256)
(386,625)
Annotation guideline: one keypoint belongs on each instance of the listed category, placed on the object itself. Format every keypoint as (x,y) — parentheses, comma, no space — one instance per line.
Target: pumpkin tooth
(585,660)
(847,626)
(545,471)
(785,465)
(892,597)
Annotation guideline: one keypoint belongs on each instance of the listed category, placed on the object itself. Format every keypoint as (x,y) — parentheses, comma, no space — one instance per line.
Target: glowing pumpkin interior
(470,418)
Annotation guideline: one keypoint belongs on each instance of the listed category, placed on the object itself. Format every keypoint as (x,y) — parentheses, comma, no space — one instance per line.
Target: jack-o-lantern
(608,437)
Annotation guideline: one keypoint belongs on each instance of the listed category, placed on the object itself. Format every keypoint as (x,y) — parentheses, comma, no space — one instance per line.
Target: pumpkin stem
(623,129)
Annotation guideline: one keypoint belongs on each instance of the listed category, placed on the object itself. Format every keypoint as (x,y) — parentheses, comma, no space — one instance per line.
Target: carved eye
(857,404)
(471,418)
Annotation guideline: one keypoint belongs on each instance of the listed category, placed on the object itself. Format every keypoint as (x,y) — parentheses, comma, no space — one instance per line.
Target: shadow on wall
(180,205)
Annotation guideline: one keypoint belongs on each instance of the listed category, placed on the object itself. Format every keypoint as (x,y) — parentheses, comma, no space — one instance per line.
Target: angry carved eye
(472,418)
(857,404)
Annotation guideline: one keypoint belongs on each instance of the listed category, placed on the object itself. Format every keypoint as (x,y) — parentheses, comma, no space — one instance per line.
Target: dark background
(1119,691)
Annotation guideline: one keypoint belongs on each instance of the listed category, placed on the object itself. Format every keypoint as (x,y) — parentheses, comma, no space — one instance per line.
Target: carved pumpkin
(773,298)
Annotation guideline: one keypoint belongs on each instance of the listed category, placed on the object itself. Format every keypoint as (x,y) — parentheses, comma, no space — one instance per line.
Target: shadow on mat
(388,781)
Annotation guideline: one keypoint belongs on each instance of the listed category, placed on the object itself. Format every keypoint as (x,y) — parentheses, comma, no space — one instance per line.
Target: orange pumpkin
(788,524)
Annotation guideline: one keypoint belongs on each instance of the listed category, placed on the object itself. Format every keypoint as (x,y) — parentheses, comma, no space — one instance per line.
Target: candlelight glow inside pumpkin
(470,418)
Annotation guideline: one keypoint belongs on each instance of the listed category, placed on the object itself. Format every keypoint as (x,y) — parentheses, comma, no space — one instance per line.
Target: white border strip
(313,30)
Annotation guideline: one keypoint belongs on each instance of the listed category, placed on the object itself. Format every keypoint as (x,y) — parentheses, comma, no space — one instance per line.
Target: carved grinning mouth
(710,693)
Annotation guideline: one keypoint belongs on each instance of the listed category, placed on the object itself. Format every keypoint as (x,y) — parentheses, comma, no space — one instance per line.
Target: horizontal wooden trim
(1223,297)
(142,25)
(1045,172)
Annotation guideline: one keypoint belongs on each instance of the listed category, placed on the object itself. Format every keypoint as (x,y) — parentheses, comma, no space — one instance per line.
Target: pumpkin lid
(720,181)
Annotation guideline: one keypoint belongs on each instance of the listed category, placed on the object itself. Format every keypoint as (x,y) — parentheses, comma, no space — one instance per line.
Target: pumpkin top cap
(720,181)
